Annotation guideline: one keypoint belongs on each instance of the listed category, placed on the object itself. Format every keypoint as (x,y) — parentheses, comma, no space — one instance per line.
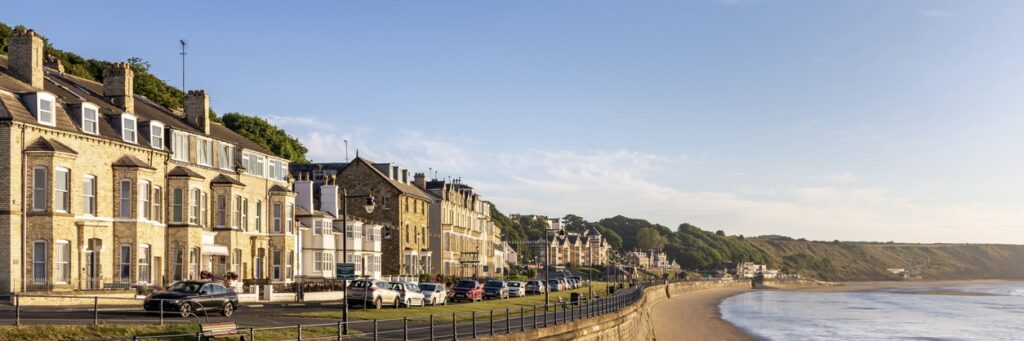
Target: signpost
(345,271)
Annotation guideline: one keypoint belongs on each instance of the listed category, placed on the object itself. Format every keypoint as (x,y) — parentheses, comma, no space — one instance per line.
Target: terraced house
(401,210)
(104,188)
(464,240)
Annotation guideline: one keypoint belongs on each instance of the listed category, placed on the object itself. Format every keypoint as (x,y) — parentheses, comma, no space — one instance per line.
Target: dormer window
(90,119)
(227,156)
(156,134)
(43,104)
(204,149)
(128,128)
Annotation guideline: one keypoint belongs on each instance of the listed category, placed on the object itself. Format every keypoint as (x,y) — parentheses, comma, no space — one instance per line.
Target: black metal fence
(470,324)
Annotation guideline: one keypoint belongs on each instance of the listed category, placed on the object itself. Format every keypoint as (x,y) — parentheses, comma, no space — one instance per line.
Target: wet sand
(694,316)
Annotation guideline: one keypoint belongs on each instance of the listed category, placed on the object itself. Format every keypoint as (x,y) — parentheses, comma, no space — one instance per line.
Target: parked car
(467,290)
(372,293)
(563,284)
(434,293)
(535,287)
(516,289)
(410,293)
(555,285)
(190,297)
(496,289)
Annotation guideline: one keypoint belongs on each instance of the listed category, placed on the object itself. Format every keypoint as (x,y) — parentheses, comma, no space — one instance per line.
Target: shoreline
(696,315)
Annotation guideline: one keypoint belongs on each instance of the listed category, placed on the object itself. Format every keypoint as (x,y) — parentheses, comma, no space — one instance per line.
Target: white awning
(216,250)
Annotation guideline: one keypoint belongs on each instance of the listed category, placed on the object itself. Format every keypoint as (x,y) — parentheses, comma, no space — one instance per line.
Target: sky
(851,120)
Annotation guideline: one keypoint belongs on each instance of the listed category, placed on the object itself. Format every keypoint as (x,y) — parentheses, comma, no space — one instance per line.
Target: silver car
(516,289)
(434,293)
(410,293)
(535,287)
(371,293)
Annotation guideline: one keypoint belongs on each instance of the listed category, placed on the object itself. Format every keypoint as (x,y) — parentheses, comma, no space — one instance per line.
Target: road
(269,315)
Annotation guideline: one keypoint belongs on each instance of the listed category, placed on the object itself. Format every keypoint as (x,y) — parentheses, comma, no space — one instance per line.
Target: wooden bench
(222,329)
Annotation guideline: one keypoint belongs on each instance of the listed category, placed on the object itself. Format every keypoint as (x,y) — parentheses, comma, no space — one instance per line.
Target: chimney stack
(25,57)
(197,110)
(304,192)
(421,180)
(119,86)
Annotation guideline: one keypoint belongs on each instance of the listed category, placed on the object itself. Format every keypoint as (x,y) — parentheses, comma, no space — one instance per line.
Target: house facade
(401,210)
(108,189)
(568,249)
(464,240)
(324,238)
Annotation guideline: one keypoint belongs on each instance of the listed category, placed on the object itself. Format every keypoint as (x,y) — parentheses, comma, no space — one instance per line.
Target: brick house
(108,189)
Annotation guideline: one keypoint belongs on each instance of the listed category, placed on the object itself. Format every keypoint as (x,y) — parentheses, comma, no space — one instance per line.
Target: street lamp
(369,205)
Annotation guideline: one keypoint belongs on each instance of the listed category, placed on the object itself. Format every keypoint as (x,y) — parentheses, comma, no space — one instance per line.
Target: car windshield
(360,284)
(514,284)
(494,284)
(184,287)
(428,287)
(466,284)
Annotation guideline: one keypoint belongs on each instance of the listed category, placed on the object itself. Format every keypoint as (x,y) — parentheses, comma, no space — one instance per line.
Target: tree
(649,239)
(267,136)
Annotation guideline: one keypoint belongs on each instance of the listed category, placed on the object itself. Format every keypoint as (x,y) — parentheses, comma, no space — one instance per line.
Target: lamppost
(369,205)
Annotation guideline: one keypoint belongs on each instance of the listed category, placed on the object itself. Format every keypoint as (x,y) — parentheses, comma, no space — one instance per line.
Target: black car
(190,297)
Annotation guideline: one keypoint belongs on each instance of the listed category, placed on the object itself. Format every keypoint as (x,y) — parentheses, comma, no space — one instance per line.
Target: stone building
(108,189)
(568,249)
(323,229)
(464,239)
(402,210)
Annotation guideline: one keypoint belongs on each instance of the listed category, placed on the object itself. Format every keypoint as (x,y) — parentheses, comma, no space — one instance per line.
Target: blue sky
(856,120)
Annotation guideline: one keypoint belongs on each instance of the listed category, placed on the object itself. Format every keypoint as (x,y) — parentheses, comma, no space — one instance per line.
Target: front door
(91,272)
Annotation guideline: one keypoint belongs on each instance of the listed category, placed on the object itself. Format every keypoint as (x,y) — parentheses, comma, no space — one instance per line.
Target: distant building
(464,240)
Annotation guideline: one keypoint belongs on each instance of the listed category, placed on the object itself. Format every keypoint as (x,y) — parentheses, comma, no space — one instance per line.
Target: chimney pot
(119,86)
(25,57)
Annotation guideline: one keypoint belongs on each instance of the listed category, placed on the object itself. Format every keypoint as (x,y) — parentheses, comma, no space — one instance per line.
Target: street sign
(345,271)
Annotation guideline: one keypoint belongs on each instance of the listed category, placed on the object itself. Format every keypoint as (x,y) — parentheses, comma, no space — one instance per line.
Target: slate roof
(406,189)
(45,145)
(131,162)
(71,90)
(184,172)
(224,179)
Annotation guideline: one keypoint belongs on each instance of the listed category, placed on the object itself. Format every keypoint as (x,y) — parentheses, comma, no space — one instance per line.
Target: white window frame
(179,146)
(40,273)
(158,204)
(276,260)
(272,169)
(125,199)
(193,206)
(62,262)
(145,199)
(238,211)
(40,177)
(145,270)
(51,114)
(259,216)
(245,214)
(277,219)
(222,214)
(129,133)
(90,125)
(178,210)
(126,253)
(89,195)
(156,135)
(288,217)
(204,152)
(226,157)
(60,195)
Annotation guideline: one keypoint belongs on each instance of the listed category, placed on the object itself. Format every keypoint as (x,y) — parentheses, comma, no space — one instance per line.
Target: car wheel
(445,301)
(377,303)
(227,310)
(433,301)
(396,303)
(185,309)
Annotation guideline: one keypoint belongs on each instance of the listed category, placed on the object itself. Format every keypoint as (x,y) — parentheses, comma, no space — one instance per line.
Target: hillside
(844,261)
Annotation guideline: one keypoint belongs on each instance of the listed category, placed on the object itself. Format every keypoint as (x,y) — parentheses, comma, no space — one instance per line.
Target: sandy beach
(695,315)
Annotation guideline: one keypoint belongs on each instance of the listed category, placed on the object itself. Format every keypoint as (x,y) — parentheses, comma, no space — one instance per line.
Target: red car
(467,290)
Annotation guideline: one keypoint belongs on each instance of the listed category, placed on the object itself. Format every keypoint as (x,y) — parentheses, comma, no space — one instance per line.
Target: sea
(953,312)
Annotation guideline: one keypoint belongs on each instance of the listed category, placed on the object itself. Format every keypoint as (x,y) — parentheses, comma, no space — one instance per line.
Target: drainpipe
(24,208)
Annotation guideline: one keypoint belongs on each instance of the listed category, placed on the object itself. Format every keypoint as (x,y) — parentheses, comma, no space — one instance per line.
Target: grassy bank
(462,309)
